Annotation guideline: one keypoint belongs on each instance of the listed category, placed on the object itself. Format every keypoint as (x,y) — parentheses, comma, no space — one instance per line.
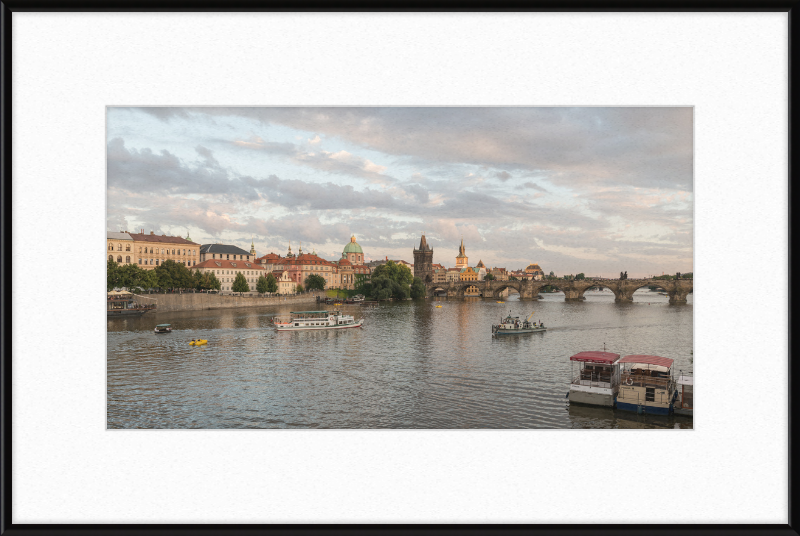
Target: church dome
(352,246)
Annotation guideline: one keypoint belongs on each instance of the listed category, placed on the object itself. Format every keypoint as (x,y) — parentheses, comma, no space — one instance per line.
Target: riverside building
(226,271)
(151,250)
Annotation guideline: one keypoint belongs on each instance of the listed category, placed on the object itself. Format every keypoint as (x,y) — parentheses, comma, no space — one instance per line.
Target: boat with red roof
(597,381)
(646,384)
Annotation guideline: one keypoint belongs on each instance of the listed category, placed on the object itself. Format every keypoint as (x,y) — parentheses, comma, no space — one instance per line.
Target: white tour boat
(313,320)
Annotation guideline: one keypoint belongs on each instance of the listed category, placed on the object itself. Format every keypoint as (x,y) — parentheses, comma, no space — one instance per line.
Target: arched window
(119,247)
(110,247)
(128,259)
(119,258)
(111,257)
(127,247)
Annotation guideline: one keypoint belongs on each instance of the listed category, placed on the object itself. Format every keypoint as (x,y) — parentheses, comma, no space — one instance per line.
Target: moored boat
(646,384)
(198,342)
(163,328)
(684,403)
(511,325)
(316,320)
(123,304)
(597,381)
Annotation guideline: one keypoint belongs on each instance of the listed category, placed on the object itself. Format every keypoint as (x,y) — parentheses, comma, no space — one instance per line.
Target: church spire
(252,247)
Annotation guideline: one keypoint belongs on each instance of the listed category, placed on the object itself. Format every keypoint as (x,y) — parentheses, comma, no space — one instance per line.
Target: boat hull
(125,312)
(684,411)
(591,398)
(318,328)
(518,331)
(651,410)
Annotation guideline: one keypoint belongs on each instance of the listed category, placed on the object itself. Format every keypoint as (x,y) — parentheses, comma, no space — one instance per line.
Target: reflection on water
(412,365)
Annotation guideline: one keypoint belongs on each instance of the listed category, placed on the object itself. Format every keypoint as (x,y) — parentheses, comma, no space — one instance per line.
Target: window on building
(127,259)
(111,247)
(119,247)
(140,261)
(111,257)
(127,247)
(227,257)
(157,262)
(119,258)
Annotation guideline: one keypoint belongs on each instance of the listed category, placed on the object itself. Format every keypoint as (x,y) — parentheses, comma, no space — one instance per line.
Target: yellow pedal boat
(199,342)
(438,306)
(501,302)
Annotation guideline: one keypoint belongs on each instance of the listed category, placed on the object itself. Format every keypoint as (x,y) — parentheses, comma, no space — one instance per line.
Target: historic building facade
(423,261)
(151,250)
(535,272)
(226,271)
(225,252)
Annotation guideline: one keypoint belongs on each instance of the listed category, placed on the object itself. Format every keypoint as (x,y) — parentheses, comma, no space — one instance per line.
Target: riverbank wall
(203,301)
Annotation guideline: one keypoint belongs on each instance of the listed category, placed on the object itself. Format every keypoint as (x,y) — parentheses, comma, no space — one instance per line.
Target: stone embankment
(203,301)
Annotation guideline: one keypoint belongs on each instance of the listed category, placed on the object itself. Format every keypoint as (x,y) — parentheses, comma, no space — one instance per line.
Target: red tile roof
(140,237)
(274,257)
(239,265)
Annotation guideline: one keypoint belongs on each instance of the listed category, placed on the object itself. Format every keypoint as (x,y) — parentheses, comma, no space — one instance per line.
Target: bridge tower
(423,261)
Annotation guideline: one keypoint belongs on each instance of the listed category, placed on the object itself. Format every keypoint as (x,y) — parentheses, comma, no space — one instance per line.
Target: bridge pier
(572,295)
(677,297)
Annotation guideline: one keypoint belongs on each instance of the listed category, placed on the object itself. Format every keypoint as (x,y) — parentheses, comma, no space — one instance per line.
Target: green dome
(352,247)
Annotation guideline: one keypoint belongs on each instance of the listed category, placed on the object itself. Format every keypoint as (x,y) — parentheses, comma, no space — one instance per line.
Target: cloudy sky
(593,190)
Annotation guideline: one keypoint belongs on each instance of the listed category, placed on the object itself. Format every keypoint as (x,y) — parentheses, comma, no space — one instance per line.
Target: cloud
(341,162)
(503,175)
(534,186)
(643,146)
(315,141)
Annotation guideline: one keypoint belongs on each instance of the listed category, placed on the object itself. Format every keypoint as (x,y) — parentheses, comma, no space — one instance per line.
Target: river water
(412,365)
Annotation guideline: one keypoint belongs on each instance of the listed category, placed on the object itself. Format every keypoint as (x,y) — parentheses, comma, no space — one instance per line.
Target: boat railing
(641,380)
(592,383)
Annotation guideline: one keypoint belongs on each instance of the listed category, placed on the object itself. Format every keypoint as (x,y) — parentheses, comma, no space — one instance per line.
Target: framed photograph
(396,268)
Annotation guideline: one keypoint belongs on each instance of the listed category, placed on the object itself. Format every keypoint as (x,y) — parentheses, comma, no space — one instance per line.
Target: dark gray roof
(222,248)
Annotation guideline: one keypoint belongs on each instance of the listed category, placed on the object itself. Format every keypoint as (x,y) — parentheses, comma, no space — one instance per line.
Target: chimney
(152,233)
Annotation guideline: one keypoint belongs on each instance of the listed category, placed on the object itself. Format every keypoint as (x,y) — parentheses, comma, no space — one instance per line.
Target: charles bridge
(573,289)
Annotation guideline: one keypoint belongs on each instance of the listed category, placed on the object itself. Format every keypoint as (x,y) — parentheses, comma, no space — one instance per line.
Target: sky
(593,190)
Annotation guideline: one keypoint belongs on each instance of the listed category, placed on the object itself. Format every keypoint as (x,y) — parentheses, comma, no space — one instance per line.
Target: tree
(299,288)
(172,274)
(552,274)
(240,284)
(395,272)
(261,284)
(272,283)
(206,281)
(488,277)
(315,282)
(418,289)
(512,278)
(384,288)
(580,276)
(112,275)
(361,283)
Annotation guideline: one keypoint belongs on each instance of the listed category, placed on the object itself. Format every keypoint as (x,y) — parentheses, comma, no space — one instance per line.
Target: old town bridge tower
(423,261)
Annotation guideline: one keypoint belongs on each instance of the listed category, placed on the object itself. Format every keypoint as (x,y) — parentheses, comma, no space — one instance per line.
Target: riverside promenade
(203,301)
